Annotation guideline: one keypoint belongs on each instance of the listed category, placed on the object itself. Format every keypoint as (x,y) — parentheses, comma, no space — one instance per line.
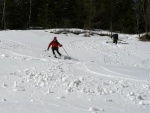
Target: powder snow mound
(96,77)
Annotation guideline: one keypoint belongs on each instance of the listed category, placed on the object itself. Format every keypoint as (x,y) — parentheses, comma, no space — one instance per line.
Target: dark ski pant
(115,41)
(56,49)
(115,38)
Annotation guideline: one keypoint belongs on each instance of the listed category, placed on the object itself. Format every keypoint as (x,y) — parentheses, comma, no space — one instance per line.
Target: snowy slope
(100,77)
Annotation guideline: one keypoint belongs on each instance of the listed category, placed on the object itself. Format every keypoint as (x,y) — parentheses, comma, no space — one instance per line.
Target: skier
(115,38)
(55,44)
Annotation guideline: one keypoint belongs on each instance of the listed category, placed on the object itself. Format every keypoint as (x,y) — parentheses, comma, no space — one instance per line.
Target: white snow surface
(97,77)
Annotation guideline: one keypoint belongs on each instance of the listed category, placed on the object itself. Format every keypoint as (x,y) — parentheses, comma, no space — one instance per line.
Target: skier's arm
(60,45)
(49,45)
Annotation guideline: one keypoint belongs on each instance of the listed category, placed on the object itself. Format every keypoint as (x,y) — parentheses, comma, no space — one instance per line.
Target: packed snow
(93,75)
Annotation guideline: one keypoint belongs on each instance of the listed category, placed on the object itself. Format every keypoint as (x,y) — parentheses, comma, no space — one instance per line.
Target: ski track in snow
(67,77)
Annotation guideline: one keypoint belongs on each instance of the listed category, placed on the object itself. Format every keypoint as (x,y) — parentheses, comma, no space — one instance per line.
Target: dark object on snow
(115,38)
(145,37)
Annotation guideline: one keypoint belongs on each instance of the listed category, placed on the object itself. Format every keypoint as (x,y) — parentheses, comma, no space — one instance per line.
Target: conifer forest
(126,16)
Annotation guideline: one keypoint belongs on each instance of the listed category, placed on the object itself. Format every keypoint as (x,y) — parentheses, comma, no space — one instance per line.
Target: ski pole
(65,51)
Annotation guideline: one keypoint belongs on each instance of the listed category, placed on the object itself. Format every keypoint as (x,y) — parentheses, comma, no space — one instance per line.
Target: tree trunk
(4,17)
(111,17)
(30,12)
(138,17)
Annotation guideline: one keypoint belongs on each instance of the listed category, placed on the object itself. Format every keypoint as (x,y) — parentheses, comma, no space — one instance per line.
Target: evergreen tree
(115,15)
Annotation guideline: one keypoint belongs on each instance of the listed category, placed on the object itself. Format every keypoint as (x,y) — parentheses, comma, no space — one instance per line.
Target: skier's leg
(113,41)
(116,41)
(53,50)
(58,52)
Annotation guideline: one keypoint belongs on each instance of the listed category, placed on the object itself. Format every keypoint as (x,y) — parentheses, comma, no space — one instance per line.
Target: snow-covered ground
(98,77)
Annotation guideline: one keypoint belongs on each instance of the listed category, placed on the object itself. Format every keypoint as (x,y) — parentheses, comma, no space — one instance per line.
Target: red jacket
(54,44)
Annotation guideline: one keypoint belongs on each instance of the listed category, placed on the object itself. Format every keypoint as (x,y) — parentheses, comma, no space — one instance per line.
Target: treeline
(127,16)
